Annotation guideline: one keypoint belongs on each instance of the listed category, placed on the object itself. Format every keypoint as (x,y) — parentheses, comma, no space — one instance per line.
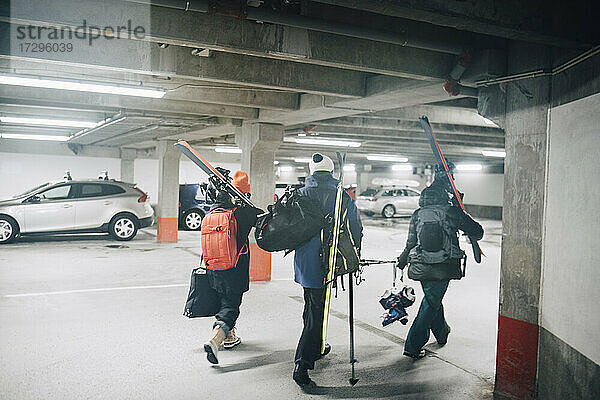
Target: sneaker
(231,340)
(301,374)
(412,355)
(212,346)
(445,340)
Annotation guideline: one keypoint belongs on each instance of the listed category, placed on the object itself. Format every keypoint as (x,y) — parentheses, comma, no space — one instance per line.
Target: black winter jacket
(449,269)
(236,280)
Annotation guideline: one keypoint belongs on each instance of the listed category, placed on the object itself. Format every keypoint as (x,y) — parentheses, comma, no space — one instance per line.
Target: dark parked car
(193,205)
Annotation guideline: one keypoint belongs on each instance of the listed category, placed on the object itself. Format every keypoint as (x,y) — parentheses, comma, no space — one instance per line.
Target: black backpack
(436,237)
(347,260)
(292,221)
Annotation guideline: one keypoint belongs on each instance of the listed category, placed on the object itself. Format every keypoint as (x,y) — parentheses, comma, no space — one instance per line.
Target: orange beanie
(240,181)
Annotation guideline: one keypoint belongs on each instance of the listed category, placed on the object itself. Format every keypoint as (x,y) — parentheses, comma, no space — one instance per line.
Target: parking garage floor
(87,317)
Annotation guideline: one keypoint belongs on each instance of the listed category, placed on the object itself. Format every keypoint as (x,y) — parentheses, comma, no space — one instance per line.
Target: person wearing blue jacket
(309,271)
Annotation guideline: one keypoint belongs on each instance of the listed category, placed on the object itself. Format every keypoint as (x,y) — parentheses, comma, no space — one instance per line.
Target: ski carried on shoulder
(215,175)
(441,160)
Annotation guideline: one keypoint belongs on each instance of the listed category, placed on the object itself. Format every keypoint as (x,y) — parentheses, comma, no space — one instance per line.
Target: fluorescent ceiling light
(275,162)
(48,122)
(224,149)
(349,167)
(300,167)
(490,153)
(322,141)
(402,167)
(34,137)
(383,157)
(469,167)
(304,160)
(489,121)
(286,168)
(302,134)
(82,87)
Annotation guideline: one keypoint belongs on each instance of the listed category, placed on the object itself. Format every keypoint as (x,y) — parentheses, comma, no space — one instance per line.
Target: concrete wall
(481,189)
(569,316)
(19,171)
(22,171)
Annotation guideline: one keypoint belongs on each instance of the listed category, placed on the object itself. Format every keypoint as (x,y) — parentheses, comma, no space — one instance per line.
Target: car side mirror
(34,199)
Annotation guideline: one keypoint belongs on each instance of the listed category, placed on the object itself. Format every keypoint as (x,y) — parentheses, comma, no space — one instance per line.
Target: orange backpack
(218,237)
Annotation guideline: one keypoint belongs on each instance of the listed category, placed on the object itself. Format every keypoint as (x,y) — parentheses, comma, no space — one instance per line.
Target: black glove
(400,262)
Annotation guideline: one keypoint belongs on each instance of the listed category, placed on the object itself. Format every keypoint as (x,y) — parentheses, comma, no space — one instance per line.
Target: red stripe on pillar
(166,230)
(260,264)
(516,361)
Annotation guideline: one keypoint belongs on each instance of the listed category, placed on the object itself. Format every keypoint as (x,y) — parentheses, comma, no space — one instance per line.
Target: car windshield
(31,190)
(369,193)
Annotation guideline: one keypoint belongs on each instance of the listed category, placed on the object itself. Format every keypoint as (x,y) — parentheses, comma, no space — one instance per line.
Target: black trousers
(229,311)
(309,345)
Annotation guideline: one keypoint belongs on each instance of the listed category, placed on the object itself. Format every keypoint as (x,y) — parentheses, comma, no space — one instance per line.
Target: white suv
(77,206)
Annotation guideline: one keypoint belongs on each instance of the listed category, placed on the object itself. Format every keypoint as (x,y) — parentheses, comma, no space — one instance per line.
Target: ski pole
(353,379)
(375,262)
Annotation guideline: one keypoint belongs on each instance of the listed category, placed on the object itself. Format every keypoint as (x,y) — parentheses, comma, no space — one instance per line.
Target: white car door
(95,204)
(401,202)
(50,210)
(412,198)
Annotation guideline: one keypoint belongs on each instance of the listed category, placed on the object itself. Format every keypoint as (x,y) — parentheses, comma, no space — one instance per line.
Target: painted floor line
(95,290)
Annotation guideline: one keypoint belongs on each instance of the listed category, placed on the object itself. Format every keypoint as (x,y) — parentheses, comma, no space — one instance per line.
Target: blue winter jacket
(322,188)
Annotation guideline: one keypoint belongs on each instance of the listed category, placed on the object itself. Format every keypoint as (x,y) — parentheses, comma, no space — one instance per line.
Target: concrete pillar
(168,192)
(258,143)
(527,106)
(127,165)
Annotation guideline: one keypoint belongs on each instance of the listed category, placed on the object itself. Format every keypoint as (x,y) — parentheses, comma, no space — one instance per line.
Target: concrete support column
(168,192)
(258,143)
(127,165)
(527,105)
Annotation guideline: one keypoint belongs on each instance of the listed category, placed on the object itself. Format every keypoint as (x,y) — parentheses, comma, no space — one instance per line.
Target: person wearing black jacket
(434,276)
(231,284)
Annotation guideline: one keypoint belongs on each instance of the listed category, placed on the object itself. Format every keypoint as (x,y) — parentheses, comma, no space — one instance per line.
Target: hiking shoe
(412,355)
(326,351)
(301,374)
(212,346)
(445,340)
(231,340)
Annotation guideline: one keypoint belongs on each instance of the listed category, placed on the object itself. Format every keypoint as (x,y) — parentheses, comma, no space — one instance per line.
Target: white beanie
(320,162)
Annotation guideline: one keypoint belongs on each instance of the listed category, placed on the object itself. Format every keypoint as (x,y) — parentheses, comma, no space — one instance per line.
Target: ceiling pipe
(261,14)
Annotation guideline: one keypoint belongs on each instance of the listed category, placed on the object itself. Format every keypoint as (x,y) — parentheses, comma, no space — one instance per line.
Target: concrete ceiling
(359,70)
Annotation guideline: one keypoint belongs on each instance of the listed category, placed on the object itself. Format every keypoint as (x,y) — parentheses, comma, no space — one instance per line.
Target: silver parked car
(73,206)
(388,201)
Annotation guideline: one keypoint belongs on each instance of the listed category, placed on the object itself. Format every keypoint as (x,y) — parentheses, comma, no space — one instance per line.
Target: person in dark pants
(434,255)
(231,284)
(308,268)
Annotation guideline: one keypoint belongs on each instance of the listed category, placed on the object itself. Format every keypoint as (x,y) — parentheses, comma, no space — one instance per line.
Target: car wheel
(8,229)
(388,211)
(123,227)
(368,213)
(192,220)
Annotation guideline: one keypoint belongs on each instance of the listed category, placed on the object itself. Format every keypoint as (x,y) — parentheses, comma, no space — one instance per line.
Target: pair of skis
(219,180)
(330,277)
(441,160)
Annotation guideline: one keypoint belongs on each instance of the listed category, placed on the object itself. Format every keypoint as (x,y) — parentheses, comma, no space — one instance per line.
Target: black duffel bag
(292,221)
(202,300)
